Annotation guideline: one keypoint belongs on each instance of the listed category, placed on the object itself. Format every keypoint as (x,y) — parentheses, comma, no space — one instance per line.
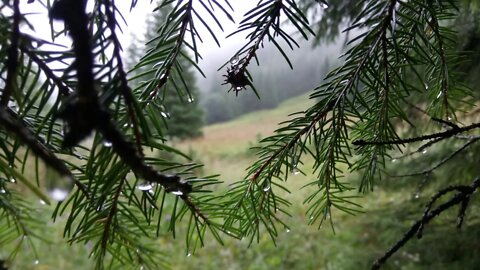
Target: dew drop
(42,202)
(145,186)
(177,192)
(238,88)
(394,160)
(12,180)
(424,151)
(439,95)
(287,230)
(295,171)
(3,191)
(36,262)
(190,99)
(266,187)
(311,217)
(165,114)
(107,144)
(426,86)
(234,60)
(58,194)
(189,254)
(449,118)
(417,196)
(323,5)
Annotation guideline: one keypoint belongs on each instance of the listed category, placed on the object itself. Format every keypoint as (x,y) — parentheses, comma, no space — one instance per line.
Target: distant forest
(275,81)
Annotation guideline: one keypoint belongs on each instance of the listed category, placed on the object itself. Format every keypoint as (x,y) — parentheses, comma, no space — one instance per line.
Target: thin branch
(444,135)
(443,161)
(12,57)
(111,214)
(124,88)
(172,56)
(9,120)
(62,87)
(445,85)
(464,194)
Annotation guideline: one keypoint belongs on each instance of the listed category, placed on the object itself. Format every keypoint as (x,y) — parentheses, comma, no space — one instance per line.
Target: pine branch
(175,51)
(9,120)
(124,88)
(12,57)
(464,193)
(83,114)
(443,135)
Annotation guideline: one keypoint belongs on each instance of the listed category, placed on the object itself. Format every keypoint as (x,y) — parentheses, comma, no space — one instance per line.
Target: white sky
(136,20)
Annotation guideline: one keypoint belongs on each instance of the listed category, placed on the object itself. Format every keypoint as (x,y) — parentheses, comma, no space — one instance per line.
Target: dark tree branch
(12,57)
(464,193)
(443,135)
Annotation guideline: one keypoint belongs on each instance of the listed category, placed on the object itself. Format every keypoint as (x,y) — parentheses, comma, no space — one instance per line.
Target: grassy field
(358,241)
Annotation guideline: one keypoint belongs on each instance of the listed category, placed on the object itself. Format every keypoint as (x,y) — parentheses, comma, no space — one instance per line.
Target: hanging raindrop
(36,262)
(424,151)
(190,99)
(165,114)
(2,191)
(295,171)
(177,192)
(12,180)
(394,160)
(42,202)
(146,186)
(323,5)
(234,60)
(58,194)
(107,144)
(266,186)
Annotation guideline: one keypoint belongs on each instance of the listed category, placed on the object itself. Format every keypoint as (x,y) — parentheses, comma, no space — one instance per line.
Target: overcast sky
(136,21)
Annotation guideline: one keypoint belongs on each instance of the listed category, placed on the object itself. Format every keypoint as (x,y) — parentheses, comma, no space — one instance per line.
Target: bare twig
(443,161)
(444,135)
(464,193)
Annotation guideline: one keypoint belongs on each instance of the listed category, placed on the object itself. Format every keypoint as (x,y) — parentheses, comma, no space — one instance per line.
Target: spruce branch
(443,135)
(84,112)
(64,89)
(167,66)
(124,88)
(462,198)
(12,57)
(10,121)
